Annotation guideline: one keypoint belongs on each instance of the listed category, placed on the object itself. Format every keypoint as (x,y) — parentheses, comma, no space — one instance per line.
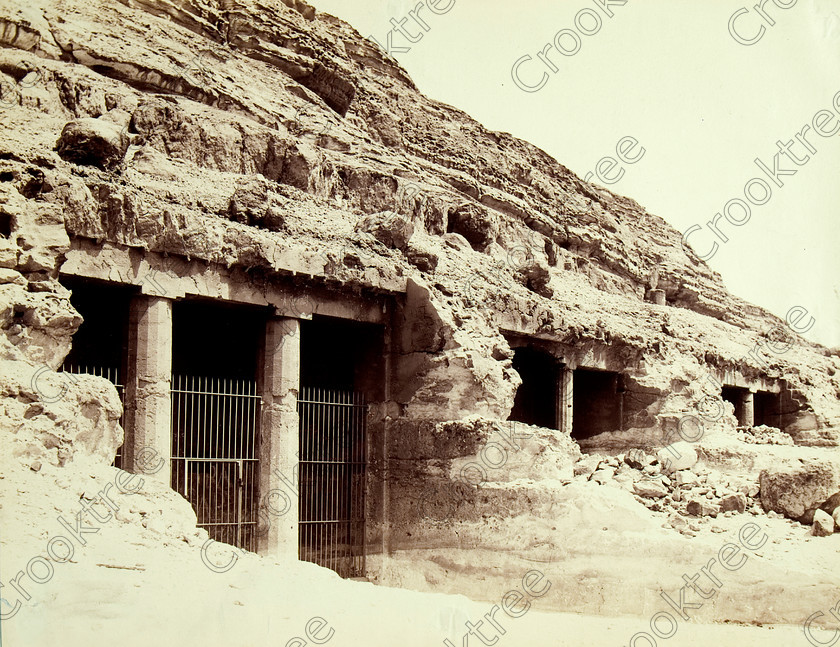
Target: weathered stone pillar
(565,401)
(148,399)
(748,410)
(279,439)
(658,297)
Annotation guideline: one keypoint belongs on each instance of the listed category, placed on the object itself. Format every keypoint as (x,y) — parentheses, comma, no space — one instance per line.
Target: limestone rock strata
(274,139)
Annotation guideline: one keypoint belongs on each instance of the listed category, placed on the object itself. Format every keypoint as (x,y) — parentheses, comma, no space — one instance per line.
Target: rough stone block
(823,524)
(650,489)
(389,228)
(798,489)
(93,142)
(686,477)
(734,502)
(677,456)
(700,508)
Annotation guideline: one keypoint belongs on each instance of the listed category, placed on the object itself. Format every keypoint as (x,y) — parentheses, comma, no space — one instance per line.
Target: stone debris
(677,456)
(701,508)
(734,503)
(763,435)
(650,489)
(697,493)
(823,524)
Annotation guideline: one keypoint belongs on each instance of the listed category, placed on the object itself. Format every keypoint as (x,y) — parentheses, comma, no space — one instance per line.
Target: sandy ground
(177,601)
(134,585)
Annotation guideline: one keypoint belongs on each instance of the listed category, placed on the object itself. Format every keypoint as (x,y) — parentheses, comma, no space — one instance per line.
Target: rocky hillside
(303,100)
(273,138)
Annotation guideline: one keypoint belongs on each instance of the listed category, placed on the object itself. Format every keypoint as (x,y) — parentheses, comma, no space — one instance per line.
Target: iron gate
(215,427)
(110,373)
(332,465)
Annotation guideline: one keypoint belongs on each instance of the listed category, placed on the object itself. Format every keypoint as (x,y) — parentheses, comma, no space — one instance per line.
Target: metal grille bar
(110,373)
(215,429)
(333,461)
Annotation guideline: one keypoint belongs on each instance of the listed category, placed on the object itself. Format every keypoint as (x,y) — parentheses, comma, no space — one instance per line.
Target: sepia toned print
(294,352)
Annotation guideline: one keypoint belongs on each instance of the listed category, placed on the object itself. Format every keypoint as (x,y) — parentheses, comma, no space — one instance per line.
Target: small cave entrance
(100,345)
(5,225)
(768,409)
(342,370)
(597,402)
(216,407)
(536,398)
(738,396)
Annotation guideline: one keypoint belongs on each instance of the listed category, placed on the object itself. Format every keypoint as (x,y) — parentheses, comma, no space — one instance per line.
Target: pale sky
(670,74)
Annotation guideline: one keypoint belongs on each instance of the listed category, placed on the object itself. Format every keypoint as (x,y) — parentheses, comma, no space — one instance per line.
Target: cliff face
(256,135)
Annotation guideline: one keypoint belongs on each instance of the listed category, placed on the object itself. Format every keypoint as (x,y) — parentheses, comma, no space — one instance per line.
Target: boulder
(796,490)
(677,522)
(685,478)
(677,456)
(12,277)
(249,201)
(424,260)
(581,469)
(832,503)
(603,476)
(650,489)
(54,417)
(734,502)
(389,228)
(273,219)
(93,142)
(836,517)
(701,508)
(626,474)
(456,241)
(637,459)
(823,525)
(749,489)
(651,471)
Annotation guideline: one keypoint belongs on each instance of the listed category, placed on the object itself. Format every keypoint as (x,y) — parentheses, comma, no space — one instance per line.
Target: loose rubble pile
(675,482)
(763,435)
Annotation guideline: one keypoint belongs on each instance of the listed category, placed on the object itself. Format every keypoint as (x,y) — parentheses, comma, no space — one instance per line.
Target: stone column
(148,399)
(565,401)
(279,439)
(748,411)
(658,297)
